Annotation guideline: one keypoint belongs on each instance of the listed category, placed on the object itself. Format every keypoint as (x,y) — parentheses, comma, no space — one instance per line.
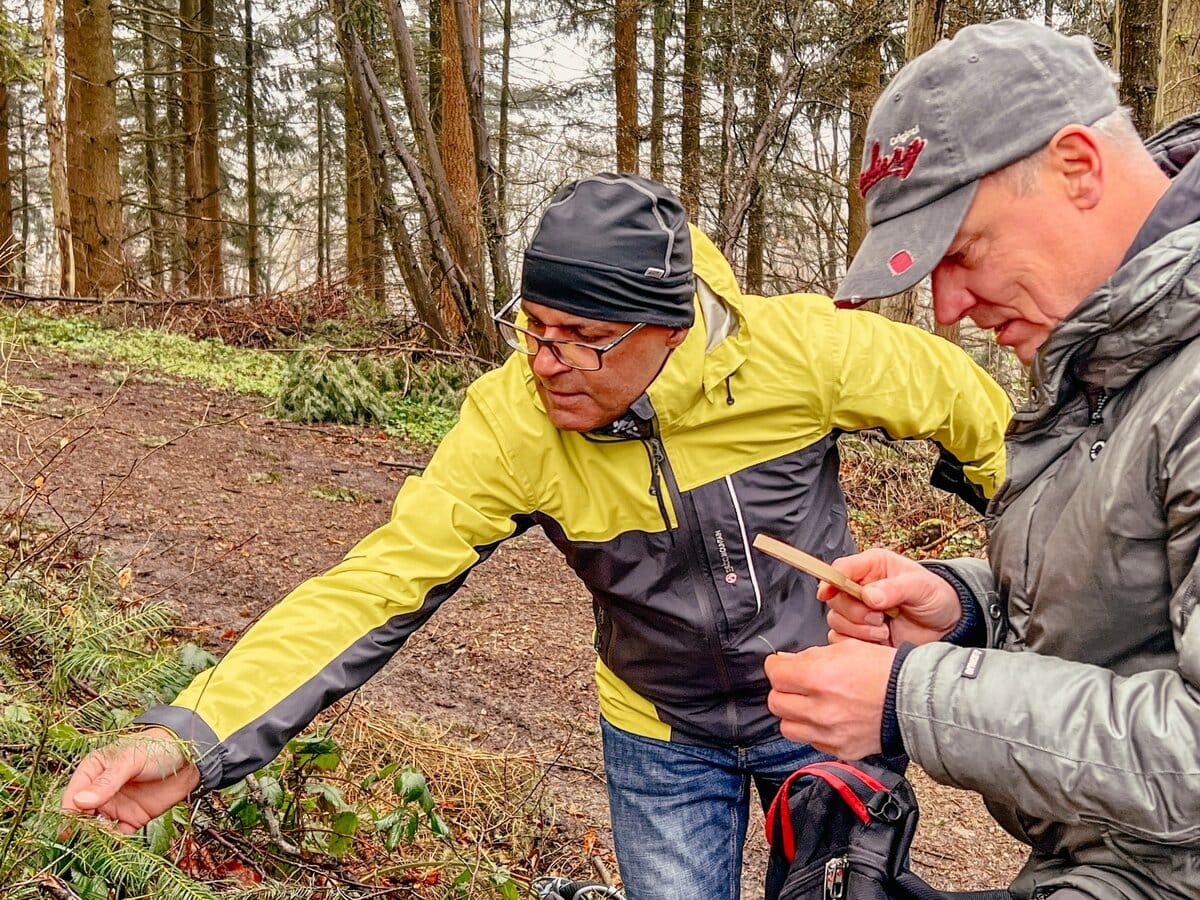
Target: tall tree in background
(364,257)
(59,196)
(926,26)
(663,13)
(458,149)
(150,163)
(9,247)
(93,146)
(1136,29)
(625,82)
(864,83)
(252,260)
(693,91)
(1179,63)
(756,216)
(201,164)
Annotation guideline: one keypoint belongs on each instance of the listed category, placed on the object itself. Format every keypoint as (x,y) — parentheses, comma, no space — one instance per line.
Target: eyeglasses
(575,354)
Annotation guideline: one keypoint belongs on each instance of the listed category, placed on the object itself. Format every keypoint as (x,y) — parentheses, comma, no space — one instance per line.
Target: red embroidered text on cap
(899,162)
(900,262)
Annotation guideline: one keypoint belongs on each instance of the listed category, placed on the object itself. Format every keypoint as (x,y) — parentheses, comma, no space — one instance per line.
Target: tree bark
(1179,78)
(865,78)
(252,260)
(458,156)
(625,72)
(150,130)
(664,13)
(692,89)
(60,202)
(502,131)
(201,169)
(93,147)
(9,248)
(756,217)
(926,26)
(1137,27)
(484,334)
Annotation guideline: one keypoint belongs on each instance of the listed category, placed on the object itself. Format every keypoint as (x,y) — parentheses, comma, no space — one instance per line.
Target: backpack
(843,830)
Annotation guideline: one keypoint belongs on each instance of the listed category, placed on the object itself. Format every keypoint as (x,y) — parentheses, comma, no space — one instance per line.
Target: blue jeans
(680,813)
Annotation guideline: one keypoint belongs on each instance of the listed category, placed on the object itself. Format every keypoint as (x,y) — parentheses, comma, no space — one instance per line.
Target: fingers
(101,776)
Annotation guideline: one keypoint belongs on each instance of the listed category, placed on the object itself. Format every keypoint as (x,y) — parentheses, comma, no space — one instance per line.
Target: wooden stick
(798,559)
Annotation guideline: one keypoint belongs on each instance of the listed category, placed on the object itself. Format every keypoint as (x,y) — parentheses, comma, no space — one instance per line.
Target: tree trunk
(756,216)
(1137,27)
(176,202)
(252,261)
(154,255)
(9,249)
(23,151)
(663,12)
(865,77)
(926,25)
(1179,78)
(482,329)
(322,178)
(502,134)
(360,93)
(729,145)
(206,275)
(458,156)
(692,89)
(60,202)
(625,72)
(93,147)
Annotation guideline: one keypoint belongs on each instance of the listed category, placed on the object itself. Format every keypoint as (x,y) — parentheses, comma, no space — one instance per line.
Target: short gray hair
(1020,177)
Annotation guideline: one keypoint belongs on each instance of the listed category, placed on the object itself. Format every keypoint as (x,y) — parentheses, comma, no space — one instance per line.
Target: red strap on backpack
(834,780)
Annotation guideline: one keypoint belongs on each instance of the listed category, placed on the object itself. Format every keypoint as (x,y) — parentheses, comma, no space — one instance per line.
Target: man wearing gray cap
(651,422)
(1061,679)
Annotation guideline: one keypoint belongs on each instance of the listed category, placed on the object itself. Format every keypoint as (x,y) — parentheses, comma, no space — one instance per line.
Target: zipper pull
(836,872)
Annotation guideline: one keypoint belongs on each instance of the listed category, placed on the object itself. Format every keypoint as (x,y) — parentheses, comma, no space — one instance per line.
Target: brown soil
(212,505)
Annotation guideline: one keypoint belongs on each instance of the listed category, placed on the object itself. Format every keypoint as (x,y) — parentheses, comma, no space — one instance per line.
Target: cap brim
(898,253)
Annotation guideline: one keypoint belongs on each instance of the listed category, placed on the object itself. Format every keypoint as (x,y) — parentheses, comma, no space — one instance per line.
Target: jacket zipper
(1096,407)
(705,591)
(737,508)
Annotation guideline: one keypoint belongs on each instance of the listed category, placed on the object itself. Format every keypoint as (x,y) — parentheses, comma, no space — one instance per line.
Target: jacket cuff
(890,738)
(205,750)
(971,630)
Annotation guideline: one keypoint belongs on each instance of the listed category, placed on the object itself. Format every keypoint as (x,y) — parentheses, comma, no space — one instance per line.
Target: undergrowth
(317,384)
(345,811)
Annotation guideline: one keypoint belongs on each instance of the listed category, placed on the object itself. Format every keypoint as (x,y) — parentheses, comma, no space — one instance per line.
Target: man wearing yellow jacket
(652,422)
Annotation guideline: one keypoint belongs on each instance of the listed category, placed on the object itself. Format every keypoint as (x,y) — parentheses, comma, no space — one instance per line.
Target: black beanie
(613,247)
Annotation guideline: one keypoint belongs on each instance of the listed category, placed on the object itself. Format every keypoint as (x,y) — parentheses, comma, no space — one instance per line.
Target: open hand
(132,781)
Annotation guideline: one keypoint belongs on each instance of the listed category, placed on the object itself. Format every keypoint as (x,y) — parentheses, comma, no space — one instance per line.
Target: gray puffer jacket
(1086,744)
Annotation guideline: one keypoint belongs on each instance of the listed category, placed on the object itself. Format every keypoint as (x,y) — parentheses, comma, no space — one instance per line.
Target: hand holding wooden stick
(798,559)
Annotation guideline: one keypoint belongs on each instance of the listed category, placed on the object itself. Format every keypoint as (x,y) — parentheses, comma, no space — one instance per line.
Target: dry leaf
(125,578)
(589,841)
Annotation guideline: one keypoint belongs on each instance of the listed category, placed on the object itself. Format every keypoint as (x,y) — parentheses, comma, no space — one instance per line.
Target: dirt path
(221,510)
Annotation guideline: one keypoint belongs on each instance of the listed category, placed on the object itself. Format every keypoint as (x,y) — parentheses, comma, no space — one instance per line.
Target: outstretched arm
(913,384)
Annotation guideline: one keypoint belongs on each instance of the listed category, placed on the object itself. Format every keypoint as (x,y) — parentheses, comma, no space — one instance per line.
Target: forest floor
(220,510)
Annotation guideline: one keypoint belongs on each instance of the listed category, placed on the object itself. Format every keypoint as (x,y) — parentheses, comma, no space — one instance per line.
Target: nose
(951,298)
(545,364)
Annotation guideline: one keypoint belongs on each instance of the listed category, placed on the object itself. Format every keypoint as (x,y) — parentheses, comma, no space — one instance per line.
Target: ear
(1077,163)
(675,338)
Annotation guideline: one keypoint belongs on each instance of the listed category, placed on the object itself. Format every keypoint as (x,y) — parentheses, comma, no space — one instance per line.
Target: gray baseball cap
(993,95)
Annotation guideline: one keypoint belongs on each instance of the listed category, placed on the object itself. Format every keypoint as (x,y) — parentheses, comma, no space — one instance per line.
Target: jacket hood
(1146,310)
